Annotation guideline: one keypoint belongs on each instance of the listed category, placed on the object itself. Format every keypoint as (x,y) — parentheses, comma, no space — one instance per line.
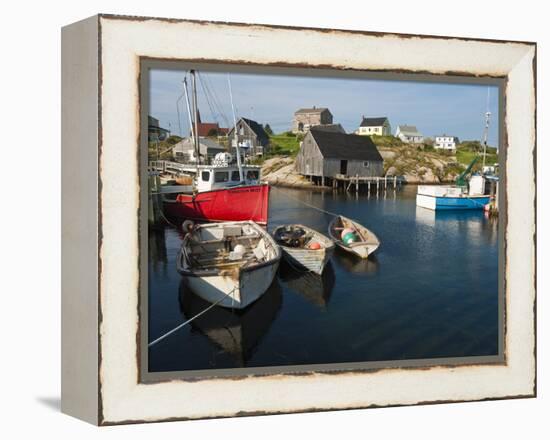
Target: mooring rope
(183,324)
(307,204)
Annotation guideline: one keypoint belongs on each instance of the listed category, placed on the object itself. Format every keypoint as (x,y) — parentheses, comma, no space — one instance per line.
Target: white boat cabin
(211,177)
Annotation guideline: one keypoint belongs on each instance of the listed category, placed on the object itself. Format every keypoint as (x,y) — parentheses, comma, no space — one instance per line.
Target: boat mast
(189,110)
(235,141)
(196,116)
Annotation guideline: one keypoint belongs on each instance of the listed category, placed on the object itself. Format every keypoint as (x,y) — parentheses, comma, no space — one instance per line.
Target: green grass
(284,144)
(464,156)
(386,141)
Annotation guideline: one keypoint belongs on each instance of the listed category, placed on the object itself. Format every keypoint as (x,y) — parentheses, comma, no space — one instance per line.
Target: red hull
(227,204)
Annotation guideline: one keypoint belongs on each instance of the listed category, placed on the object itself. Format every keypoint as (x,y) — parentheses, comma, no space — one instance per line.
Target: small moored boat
(304,246)
(353,237)
(229,264)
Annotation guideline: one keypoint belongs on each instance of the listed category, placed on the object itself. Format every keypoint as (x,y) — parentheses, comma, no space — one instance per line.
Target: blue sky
(435,108)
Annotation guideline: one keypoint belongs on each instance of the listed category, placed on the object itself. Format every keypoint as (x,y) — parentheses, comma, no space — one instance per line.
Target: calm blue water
(430,292)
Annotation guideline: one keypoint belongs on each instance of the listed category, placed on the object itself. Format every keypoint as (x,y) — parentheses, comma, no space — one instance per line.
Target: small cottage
(369,126)
(409,134)
(184,150)
(445,142)
(328,153)
(305,118)
(251,137)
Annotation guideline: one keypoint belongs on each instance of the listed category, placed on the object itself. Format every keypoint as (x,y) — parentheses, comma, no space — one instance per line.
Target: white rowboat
(366,245)
(229,264)
(295,241)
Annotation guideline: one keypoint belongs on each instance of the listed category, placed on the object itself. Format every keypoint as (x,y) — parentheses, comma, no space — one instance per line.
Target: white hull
(314,261)
(237,291)
(362,249)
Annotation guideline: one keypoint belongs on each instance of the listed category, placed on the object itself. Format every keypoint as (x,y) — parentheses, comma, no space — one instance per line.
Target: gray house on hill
(409,134)
(306,118)
(251,136)
(327,154)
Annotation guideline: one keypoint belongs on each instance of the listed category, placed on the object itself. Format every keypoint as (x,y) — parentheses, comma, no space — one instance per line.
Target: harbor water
(430,291)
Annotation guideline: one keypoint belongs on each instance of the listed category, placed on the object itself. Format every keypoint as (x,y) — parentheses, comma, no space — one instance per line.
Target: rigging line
(183,324)
(217,107)
(216,100)
(212,113)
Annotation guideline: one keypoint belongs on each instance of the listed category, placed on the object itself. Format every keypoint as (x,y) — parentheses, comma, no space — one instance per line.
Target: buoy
(315,246)
(187,226)
(350,237)
(239,249)
(346,231)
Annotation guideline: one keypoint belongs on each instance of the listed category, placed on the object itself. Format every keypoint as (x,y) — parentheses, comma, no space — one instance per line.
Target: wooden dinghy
(304,247)
(362,242)
(229,264)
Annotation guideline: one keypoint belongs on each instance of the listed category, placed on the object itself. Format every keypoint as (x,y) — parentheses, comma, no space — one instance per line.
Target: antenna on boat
(235,140)
(486,129)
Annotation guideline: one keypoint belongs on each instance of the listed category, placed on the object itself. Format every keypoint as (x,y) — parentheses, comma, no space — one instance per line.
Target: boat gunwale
(217,272)
(193,194)
(307,228)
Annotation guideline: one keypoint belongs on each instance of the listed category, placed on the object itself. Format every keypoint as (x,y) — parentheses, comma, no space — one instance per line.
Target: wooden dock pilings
(358,183)
(154,200)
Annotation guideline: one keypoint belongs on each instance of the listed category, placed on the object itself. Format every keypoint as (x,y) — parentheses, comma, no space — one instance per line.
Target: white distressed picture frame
(101,202)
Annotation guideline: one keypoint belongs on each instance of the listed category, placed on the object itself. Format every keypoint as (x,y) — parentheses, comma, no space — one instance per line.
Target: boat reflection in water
(236,331)
(358,266)
(313,287)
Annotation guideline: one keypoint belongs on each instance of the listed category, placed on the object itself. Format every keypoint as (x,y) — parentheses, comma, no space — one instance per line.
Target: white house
(409,134)
(446,142)
(369,126)
(184,150)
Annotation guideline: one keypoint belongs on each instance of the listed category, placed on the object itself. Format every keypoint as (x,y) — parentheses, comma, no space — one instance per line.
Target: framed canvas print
(265,219)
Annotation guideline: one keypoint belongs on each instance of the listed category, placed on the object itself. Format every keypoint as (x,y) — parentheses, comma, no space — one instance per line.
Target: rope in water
(183,324)
(304,203)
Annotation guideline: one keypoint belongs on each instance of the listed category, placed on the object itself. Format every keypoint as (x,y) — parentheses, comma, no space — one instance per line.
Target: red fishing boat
(220,195)
(225,190)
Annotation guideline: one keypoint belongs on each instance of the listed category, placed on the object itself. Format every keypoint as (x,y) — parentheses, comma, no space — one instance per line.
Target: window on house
(221,176)
(366,164)
(241,130)
(205,176)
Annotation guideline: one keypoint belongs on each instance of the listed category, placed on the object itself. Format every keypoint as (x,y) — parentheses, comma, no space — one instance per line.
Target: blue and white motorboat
(444,197)
(454,197)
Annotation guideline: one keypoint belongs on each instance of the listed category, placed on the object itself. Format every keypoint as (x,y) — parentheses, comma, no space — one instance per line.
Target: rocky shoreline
(279,171)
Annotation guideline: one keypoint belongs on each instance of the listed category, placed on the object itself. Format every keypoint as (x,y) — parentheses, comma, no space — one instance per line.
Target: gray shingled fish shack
(331,154)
